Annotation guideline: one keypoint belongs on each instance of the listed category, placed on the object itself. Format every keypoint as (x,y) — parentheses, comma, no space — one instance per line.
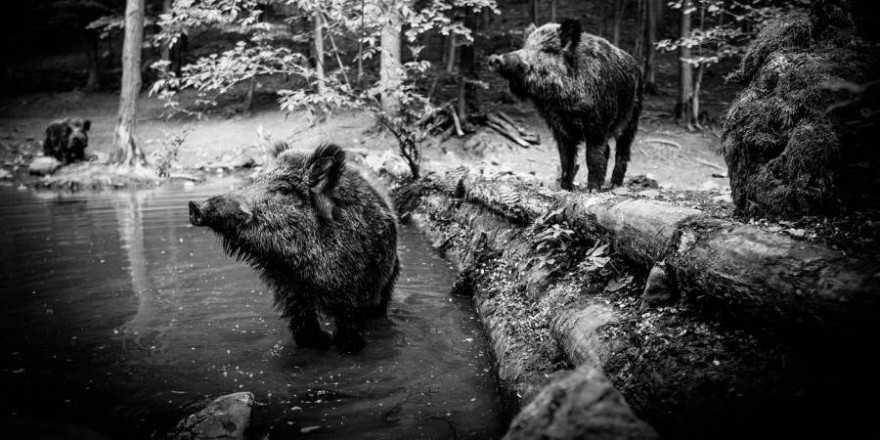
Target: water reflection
(118,316)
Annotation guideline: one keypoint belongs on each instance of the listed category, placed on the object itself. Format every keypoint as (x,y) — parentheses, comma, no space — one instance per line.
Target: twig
(457,123)
(710,164)
(665,142)
(335,49)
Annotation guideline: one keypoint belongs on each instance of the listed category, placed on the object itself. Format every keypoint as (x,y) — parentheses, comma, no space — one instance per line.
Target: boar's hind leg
(622,149)
(307,332)
(380,310)
(350,338)
(567,146)
(597,163)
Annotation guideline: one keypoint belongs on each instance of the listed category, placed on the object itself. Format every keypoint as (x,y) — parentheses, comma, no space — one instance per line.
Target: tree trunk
(390,70)
(650,51)
(93,82)
(166,48)
(553,11)
(638,46)
(617,18)
(450,55)
(360,56)
(319,49)
(533,12)
(686,81)
(126,151)
(466,71)
(178,54)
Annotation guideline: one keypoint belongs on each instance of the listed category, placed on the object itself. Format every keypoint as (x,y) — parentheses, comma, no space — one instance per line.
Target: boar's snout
(196,216)
(508,65)
(495,62)
(219,210)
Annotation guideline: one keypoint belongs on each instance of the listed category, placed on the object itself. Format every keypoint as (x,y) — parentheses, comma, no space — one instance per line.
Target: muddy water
(118,316)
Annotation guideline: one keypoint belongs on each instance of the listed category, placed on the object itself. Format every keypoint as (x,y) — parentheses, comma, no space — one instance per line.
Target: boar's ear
(569,34)
(529,29)
(87,125)
(325,168)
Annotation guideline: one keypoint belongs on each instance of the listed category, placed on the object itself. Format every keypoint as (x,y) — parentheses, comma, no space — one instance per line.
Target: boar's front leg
(307,331)
(350,326)
(567,146)
(597,162)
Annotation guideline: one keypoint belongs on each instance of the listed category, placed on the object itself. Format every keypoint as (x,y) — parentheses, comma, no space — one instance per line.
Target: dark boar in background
(586,89)
(320,236)
(66,140)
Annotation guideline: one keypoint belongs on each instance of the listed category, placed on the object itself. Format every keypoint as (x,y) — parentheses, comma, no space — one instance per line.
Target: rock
(44,166)
(578,404)
(797,233)
(649,194)
(659,290)
(227,417)
(5,174)
(642,181)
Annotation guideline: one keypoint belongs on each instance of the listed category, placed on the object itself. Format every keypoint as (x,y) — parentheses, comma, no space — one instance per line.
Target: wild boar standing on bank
(320,236)
(586,89)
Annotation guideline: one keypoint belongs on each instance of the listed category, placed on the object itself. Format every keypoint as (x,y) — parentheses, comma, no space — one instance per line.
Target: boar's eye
(289,192)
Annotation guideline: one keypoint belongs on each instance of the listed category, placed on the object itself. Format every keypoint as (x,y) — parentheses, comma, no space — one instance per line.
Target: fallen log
(755,278)
(661,367)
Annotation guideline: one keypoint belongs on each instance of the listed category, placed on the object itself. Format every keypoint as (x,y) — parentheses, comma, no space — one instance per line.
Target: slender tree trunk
(390,70)
(360,73)
(533,11)
(126,151)
(686,81)
(166,48)
(695,97)
(450,55)
(650,51)
(617,18)
(553,11)
(93,82)
(319,49)
(178,54)
(248,103)
(466,71)
(639,45)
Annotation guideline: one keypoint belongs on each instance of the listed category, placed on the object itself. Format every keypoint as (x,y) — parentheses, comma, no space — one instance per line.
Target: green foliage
(721,31)
(559,246)
(266,49)
(167,155)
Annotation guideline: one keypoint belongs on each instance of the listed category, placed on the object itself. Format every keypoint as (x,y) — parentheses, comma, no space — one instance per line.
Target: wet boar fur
(67,140)
(321,238)
(586,89)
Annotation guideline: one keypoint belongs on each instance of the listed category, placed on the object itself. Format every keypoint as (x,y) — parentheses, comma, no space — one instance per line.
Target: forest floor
(677,159)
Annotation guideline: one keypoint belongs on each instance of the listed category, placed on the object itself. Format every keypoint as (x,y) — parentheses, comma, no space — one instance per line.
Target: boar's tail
(627,135)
